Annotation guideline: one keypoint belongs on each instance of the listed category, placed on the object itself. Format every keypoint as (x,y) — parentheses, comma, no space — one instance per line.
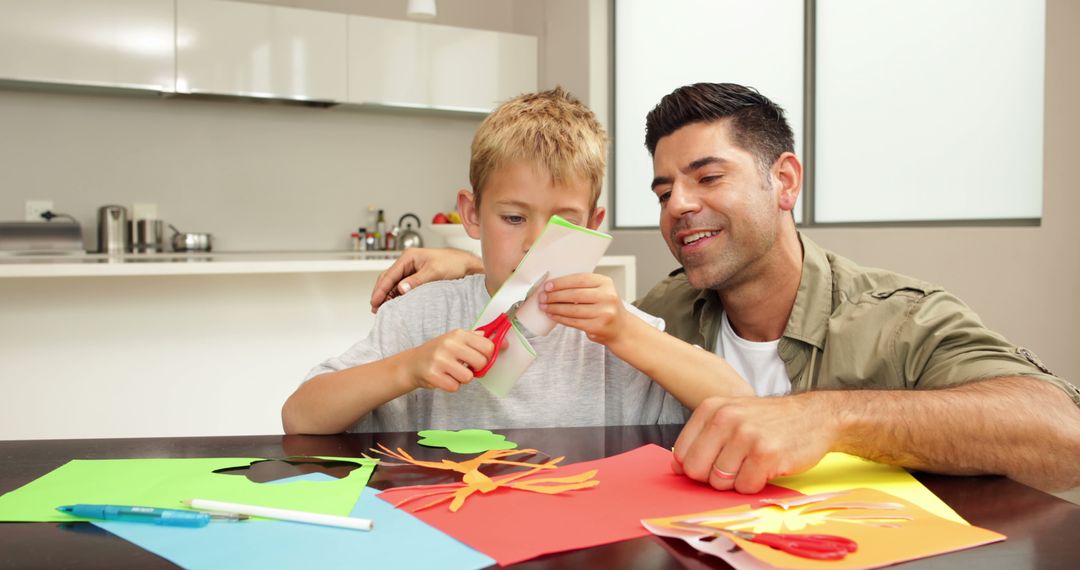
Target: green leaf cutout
(465,441)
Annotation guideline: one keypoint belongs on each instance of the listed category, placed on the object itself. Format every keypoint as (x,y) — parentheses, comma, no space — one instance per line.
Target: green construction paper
(165,482)
(465,441)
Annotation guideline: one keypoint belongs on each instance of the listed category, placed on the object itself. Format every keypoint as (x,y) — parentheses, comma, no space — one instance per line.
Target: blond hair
(550,129)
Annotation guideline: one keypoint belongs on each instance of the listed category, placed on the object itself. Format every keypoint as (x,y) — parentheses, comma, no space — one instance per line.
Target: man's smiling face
(719,211)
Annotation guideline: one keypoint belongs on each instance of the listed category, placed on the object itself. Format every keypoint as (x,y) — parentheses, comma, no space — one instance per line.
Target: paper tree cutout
(473,480)
(465,441)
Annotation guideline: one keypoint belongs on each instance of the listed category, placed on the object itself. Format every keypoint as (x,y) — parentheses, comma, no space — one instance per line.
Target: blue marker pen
(164,517)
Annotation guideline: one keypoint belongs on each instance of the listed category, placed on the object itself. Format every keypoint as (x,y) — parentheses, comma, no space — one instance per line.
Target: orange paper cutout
(473,480)
(885,534)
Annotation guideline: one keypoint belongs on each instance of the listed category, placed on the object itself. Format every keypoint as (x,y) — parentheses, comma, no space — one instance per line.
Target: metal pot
(408,237)
(183,241)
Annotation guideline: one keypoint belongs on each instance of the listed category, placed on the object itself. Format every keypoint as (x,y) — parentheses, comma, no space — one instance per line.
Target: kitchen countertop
(212,263)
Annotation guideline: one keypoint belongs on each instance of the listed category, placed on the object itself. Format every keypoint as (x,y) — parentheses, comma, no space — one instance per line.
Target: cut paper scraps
(164,483)
(887,529)
(474,481)
(465,440)
(399,541)
(511,526)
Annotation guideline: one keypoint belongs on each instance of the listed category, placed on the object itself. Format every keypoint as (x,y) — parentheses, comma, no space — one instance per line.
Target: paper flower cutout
(465,441)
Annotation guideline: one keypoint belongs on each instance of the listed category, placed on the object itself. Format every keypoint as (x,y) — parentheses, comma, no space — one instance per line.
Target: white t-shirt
(572,382)
(758,362)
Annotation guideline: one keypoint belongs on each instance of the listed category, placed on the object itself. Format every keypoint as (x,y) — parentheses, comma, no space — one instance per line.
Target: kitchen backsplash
(257,177)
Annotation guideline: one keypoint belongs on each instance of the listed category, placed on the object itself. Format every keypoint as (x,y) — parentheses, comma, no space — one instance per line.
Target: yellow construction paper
(840,472)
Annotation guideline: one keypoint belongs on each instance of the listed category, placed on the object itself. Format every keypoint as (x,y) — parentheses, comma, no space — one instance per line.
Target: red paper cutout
(511,526)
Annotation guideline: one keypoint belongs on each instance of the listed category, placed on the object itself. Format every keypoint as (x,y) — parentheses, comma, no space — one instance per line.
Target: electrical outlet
(34,209)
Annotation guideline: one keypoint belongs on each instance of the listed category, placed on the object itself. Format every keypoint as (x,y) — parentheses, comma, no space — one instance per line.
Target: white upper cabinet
(403,63)
(388,62)
(258,50)
(255,50)
(475,69)
(114,43)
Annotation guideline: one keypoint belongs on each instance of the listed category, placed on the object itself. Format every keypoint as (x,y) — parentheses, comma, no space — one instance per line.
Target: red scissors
(496,330)
(812,546)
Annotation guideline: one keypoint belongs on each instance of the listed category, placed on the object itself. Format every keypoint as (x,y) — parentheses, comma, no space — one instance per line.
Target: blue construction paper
(399,540)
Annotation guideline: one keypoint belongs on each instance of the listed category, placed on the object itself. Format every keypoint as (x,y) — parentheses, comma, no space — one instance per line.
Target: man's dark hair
(757,124)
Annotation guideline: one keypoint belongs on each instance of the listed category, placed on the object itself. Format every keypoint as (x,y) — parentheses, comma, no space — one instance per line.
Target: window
(924,110)
(660,46)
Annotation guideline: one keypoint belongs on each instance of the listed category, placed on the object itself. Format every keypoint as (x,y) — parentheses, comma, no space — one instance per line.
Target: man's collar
(704,298)
(809,318)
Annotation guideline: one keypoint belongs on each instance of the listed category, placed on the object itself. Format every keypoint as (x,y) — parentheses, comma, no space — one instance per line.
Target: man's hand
(742,443)
(585,301)
(448,361)
(417,266)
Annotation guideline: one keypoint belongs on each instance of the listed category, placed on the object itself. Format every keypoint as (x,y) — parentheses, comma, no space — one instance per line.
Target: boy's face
(518,199)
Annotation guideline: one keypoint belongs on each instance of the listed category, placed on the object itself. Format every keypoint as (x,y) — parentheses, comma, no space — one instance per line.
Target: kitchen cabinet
(388,63)
(256,50)
(479,69)
(410,64)
(111,43)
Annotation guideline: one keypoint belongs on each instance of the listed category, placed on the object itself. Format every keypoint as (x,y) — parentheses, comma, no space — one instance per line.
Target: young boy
(535,156)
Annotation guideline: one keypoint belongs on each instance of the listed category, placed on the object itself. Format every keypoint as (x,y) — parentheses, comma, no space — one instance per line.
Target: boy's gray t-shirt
(572,382)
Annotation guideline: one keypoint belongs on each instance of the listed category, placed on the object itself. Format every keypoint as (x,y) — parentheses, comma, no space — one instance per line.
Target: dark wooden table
(1043,531)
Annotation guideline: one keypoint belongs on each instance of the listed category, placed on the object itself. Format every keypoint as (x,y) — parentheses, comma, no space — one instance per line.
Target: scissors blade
(511,313)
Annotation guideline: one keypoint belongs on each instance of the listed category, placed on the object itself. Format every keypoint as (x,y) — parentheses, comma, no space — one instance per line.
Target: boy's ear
(470,214)
(596,217)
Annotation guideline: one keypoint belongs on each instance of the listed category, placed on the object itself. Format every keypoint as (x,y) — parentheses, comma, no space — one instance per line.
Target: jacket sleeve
(943,343)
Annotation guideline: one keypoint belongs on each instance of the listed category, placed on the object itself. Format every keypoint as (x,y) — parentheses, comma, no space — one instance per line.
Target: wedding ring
(721,473)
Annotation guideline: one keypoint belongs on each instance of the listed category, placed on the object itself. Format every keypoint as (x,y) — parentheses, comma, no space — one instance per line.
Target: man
(876,364)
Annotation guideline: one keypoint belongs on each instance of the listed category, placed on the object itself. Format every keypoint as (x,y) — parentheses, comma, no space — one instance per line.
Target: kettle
(112,230)
(407,236)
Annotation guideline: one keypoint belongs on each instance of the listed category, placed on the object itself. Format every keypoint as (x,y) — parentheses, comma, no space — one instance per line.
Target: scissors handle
(495,331)
(846,543)
(812,546)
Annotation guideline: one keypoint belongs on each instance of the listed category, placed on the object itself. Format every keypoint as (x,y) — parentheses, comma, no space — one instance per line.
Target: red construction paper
(510,525)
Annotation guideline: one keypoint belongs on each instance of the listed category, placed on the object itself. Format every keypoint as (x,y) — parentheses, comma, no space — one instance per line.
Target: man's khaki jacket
(857,327)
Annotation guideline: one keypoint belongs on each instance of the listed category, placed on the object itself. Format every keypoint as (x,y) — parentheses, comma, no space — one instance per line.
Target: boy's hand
(585,301)
(448,361)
